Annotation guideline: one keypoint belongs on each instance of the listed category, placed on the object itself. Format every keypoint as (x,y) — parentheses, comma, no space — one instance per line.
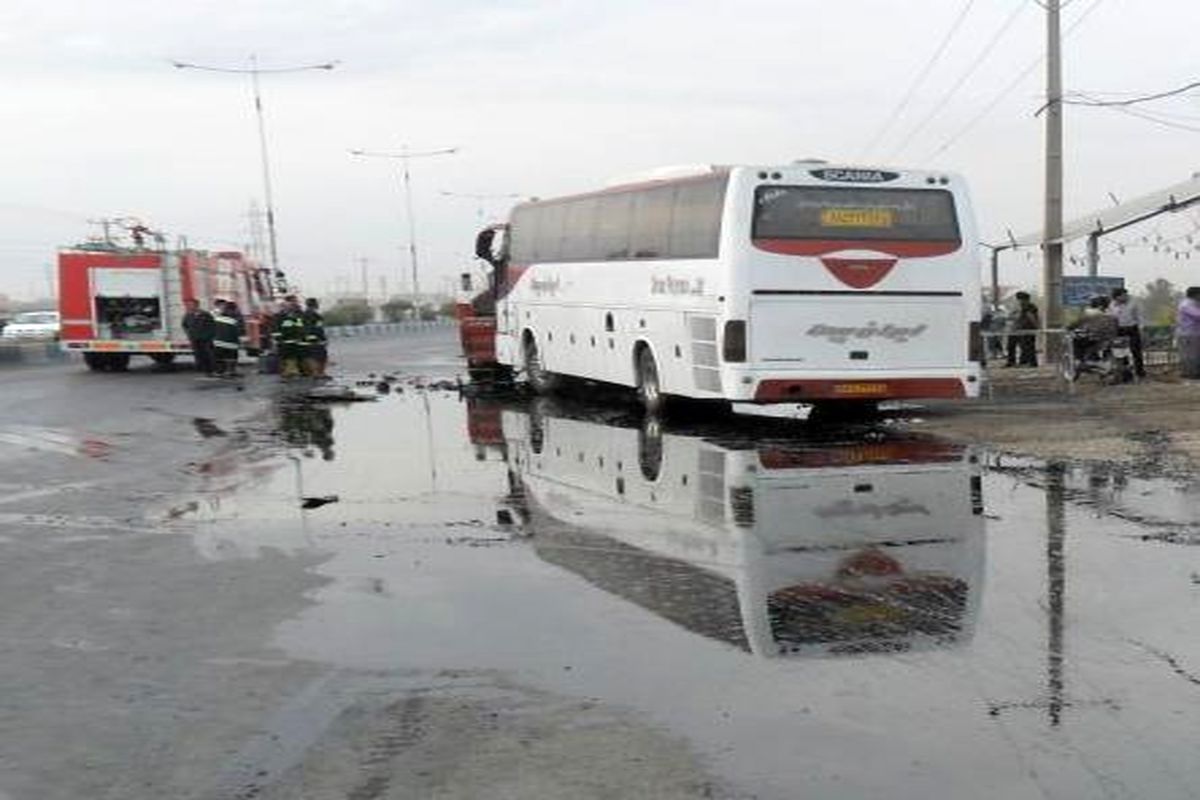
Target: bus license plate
(859,389)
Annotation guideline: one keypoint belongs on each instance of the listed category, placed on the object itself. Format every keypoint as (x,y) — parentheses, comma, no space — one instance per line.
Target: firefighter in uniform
(316,344)
(227,337)
(289,338)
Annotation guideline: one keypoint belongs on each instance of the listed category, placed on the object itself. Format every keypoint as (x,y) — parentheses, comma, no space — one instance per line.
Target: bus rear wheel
(540,380)
(649,388)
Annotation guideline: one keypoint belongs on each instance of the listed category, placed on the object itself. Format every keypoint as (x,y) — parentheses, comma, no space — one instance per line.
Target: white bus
(804,283)
(775,548)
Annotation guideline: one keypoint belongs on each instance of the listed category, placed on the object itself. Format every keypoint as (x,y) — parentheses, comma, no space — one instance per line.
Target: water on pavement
(848,613)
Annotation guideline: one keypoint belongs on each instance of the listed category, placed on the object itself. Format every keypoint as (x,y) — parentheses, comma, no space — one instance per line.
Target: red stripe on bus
(780,391)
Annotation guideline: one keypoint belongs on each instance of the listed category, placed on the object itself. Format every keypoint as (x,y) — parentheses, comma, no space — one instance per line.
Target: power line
(1155,119)
(1008,88)
(1091,101)
(919,79)
(978,62)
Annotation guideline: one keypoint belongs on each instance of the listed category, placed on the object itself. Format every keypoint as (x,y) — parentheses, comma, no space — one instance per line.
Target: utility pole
(362,262)
(404,156)
(1052,229)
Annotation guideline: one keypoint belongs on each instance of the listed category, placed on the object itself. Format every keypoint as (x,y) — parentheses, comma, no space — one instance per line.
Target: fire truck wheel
(118,362)
(95,361)
(163,359)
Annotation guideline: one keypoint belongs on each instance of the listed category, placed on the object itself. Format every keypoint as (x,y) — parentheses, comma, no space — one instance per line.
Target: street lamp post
(404,156)
(254,71)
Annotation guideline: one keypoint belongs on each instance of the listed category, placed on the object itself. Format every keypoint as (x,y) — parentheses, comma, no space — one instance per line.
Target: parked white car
(33,325)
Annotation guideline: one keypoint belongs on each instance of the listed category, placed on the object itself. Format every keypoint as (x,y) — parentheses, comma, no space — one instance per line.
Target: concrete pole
(995,279)
(1093,254)
(266,168)
(1053,225)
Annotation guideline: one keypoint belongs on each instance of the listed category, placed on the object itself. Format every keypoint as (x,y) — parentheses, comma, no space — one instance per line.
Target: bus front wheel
(649,388)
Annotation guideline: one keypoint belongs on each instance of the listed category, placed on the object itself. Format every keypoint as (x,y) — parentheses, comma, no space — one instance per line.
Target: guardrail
(1158,343)
(385,328)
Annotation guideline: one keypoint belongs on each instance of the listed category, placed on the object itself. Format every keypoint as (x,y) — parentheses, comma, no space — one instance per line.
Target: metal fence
(385,328)
(1158,344)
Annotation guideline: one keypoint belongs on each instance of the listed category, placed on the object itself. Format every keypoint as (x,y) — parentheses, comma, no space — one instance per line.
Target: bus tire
(649,387)
(540,380)
(650,447)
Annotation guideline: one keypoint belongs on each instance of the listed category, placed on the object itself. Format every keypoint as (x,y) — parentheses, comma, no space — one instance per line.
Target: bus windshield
(854,214)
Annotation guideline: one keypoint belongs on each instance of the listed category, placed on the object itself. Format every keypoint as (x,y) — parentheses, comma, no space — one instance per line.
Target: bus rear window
(854,214)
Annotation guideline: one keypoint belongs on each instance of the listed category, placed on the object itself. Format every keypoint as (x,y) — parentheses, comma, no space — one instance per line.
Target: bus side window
(652,223)
(578,230)
(548,241)
(614,212)
(696,222)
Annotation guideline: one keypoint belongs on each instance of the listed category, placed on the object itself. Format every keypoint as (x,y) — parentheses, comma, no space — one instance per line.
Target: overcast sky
(552,97)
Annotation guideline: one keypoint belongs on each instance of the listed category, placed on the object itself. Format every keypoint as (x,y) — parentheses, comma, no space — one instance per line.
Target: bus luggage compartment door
(865,332)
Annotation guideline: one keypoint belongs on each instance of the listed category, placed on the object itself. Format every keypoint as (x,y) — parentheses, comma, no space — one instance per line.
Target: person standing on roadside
(316,344)
(200,328)
(289,337)
(1187,333)
(228,338)
(1022,342)
(1129,324)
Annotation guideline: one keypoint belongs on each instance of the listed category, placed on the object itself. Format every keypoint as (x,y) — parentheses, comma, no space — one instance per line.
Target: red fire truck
(118,299)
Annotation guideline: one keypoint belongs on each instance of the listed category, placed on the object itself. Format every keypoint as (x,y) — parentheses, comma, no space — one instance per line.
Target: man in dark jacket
(200,328)
(316,344)
(289,337)
(1023,338)
(228,338)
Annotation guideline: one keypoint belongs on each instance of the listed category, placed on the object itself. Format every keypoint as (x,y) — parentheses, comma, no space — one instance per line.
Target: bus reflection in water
(775,548)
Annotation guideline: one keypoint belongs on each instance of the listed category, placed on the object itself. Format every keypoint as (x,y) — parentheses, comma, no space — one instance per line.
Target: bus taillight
(733,348)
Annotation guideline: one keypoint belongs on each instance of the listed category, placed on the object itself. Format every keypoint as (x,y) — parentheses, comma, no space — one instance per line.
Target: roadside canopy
(1172,198)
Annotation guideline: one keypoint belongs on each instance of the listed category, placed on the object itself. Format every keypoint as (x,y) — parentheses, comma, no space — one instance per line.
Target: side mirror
(492,246)
(483,244)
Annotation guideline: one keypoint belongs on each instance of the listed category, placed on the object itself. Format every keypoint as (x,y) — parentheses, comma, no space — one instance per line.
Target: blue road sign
(1079,289)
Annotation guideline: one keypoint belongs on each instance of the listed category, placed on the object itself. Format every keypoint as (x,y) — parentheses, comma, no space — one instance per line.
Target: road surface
(222,591)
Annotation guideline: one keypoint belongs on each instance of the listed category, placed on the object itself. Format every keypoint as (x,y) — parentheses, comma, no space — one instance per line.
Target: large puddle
(856,614)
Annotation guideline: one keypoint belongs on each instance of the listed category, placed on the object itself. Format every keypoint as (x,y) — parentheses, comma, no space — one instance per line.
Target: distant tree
(1159,299)
(354,312)
(396,309)
(447,309)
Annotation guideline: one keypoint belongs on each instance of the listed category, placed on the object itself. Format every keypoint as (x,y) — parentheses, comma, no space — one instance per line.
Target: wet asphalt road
(495,598)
